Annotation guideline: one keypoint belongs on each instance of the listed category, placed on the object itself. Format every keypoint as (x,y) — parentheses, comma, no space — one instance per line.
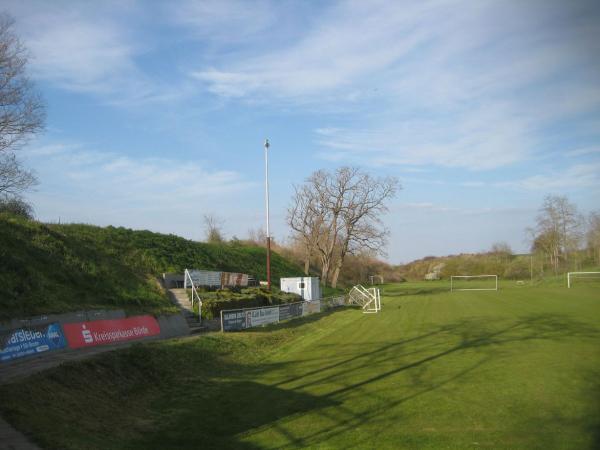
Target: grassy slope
(56,268)
(518,368)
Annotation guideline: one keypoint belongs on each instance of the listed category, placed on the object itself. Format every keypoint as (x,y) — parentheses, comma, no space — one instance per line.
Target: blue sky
(157,111)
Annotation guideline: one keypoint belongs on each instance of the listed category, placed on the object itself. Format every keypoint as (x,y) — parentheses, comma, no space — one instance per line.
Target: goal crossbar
(452,288)
(578,275)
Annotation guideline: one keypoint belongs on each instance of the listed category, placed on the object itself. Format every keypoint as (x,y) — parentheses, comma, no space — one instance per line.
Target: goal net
(474,283)
(375,279)
(583,278)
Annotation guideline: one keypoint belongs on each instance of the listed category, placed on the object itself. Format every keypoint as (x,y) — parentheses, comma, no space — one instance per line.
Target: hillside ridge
(51,268)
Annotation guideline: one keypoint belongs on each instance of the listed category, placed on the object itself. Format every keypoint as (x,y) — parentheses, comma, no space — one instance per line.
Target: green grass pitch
(514,369)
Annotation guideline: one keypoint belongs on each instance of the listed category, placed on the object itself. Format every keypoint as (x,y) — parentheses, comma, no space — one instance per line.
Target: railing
(195,295)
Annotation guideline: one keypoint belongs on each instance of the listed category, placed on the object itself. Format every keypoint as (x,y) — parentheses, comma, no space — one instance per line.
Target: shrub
(518,269)
(214,302)
(16,206)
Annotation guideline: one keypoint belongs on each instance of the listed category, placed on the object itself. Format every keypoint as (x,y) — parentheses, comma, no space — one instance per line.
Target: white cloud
(577,176)
(347,42)
(91,48)
(584,151)
(481,138)
(430,82)
(223,20)
(106,187)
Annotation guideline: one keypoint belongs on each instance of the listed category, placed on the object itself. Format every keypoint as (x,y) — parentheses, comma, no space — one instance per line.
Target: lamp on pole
(267,201)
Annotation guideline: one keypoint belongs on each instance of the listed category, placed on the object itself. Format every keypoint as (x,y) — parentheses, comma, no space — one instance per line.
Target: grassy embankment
(517,368)
(49,268)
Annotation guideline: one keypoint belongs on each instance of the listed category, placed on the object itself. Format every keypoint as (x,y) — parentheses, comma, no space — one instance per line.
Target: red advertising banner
(101,332)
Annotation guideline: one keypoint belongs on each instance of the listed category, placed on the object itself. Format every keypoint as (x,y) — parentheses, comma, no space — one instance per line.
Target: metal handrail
(194,294)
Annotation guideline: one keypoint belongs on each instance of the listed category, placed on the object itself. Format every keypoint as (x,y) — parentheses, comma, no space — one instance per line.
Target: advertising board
(311,307)
(102,332)
(233,320)
(32,340)
(290,310)
(262,316)
(333,302)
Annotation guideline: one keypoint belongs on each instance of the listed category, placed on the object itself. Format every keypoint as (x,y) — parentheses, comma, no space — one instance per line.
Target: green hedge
(214,302)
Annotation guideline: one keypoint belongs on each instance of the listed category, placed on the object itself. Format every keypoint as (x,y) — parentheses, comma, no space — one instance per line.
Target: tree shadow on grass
(593,379)
(407,291)
(193,395)
(230,409)
(485,339)
(295,322)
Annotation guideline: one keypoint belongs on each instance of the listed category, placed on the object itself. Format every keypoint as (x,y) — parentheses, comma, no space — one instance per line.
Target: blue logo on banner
(31,340)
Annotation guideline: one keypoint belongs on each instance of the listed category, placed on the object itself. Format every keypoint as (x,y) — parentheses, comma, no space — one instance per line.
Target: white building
(307,287)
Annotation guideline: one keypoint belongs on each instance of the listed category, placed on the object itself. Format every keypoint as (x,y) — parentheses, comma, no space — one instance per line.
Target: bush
(16,206)
(518,269)
(214,302)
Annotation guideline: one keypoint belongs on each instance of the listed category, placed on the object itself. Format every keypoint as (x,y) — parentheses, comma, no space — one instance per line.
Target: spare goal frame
(452,288)
(580,273)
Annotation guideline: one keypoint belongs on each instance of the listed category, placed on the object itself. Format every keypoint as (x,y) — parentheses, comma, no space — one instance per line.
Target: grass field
(513,369)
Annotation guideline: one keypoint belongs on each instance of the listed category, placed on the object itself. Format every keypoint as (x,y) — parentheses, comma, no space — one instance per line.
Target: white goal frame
(452,288)
(373,277)
(580,273)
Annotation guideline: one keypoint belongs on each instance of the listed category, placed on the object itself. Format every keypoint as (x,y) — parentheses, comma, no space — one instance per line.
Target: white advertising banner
(256,317)
(311,307)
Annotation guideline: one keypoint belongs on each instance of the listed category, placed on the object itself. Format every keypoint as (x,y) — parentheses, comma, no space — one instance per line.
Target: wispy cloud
(225,21)
(577,176)
(431,82)
(120,186)
(584,151)
(348,42)
(481,138)
(92,48)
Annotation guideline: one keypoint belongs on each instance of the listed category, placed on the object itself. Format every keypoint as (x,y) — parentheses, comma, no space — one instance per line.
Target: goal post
(581,275)
(480,286)
(373,279)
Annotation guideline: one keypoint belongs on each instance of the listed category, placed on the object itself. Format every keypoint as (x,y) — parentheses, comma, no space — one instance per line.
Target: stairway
(180,298)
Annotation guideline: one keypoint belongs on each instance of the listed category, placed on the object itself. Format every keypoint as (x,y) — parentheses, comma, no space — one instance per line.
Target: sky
(157,111)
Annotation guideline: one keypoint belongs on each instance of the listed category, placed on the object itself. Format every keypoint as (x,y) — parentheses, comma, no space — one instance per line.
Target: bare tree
(257,236)
(558,229)
(213,229)
(593,235)
(14,178)
(16,206)
(363,228)
(501,248)
(306,219)
(21,110)
(336,214)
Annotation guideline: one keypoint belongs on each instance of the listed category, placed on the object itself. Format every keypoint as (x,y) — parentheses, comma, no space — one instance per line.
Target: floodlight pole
(267,201)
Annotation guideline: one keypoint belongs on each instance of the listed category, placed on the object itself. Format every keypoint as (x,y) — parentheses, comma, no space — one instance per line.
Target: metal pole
(267,201)
(531,268)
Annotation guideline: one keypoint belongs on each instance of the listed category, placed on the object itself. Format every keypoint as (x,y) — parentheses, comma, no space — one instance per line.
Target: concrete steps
(180,298)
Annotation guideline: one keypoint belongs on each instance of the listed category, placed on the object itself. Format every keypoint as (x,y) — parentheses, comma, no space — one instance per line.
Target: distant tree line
(562,239)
